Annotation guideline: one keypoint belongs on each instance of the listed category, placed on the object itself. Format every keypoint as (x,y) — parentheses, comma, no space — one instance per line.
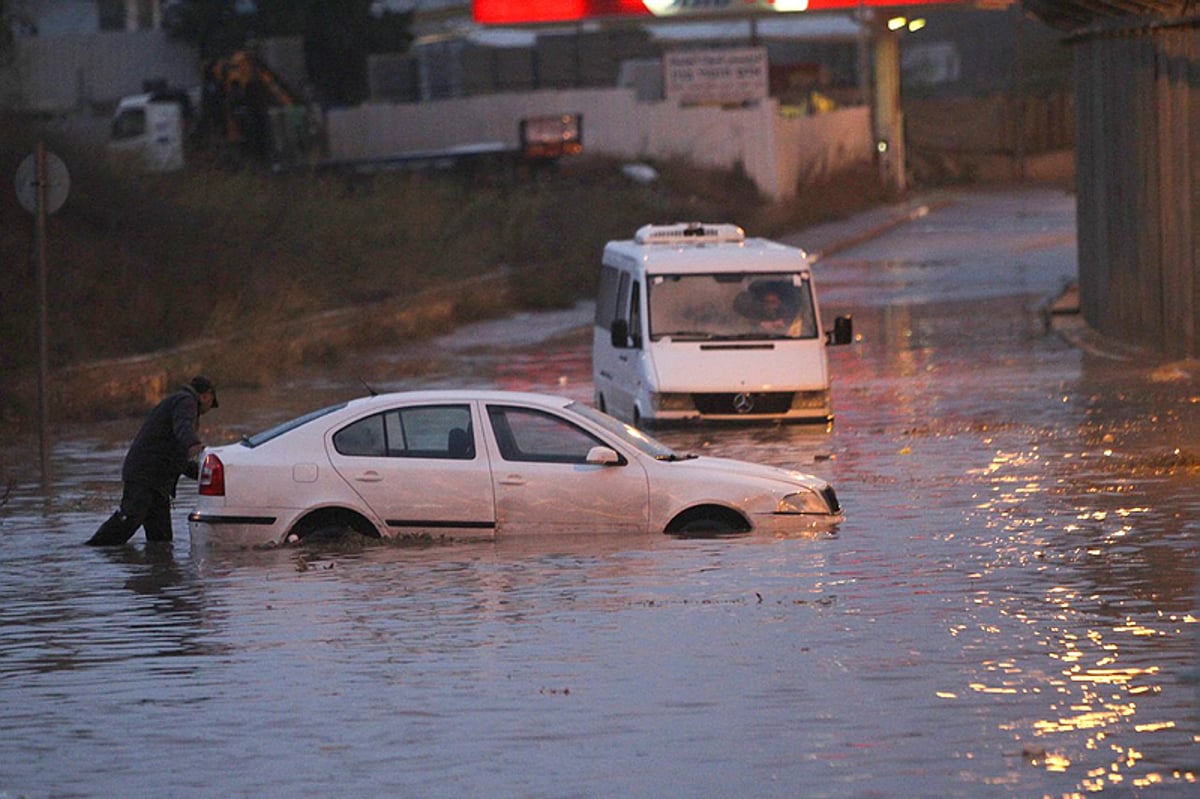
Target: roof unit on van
(690,233)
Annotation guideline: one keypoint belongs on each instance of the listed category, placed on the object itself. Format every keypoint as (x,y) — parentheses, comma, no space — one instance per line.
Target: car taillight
(212,476)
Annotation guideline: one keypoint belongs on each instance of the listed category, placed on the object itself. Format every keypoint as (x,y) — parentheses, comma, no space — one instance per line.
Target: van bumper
(739,407)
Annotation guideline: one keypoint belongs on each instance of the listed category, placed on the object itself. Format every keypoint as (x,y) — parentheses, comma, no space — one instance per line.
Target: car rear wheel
(331,524)
(332,532)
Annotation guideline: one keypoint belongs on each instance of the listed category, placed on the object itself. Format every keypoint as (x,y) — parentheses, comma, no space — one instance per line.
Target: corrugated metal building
(1137,88)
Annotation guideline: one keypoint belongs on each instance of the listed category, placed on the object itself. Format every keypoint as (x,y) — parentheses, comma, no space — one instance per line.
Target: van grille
(749,404)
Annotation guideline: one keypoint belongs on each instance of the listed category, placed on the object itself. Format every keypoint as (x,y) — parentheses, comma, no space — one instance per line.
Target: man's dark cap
(202,384)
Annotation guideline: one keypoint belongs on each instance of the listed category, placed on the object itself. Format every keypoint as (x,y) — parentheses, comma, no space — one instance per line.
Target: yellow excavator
(249,107)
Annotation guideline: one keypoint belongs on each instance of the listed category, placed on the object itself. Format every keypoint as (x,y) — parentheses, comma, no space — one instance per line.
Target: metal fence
(996,123)
(1138,180)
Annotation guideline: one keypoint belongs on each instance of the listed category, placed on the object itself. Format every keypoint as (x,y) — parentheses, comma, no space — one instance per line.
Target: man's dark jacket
(158,454)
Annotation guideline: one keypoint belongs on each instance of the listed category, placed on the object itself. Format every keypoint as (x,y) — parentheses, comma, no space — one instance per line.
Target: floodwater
(1008,610)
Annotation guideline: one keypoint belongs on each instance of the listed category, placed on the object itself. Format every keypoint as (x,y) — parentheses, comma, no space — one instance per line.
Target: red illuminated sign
(527,12)
(516,12)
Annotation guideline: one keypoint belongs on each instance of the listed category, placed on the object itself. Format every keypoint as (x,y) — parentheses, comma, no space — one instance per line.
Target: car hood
(731,468)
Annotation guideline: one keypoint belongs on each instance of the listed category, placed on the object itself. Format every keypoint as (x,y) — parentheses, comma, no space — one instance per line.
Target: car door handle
(370,477)
(512,480)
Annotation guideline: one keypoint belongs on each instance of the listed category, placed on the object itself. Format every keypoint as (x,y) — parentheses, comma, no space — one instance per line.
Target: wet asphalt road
(1009,609)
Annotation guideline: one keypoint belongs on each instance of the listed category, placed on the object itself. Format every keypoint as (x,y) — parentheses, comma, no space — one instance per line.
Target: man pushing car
(166,446)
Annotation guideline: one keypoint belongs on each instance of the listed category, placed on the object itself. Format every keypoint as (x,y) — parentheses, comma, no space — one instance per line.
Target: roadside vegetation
(140,263)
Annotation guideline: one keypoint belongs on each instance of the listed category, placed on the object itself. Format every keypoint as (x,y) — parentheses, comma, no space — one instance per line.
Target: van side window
(606,299)
(623,297)
(635,314)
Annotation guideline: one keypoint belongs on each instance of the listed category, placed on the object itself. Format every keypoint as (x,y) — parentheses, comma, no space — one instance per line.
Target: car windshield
(630,435)
(258,439)
(731,306)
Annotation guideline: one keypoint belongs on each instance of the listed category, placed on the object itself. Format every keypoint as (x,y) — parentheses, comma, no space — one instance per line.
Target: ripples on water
(1009,609)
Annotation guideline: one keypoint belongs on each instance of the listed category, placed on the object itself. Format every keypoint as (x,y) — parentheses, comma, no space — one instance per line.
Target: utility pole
(887,116)
(42,184)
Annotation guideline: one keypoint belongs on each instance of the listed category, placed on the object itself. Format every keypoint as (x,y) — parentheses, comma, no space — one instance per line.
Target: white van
(695,321)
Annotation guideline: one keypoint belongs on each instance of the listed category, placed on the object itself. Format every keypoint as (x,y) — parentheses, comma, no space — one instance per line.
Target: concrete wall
(54,74)
(775,152)
(92,71)
(810,148)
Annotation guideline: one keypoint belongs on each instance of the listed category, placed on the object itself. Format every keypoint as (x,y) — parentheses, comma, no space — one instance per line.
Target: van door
(625,370)
(604,355)
(613,364)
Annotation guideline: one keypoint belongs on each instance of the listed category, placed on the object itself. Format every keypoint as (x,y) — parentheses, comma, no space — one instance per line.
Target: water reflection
(155,574)
(54,619)
(1080,540)
(1118,590)
(1009,608)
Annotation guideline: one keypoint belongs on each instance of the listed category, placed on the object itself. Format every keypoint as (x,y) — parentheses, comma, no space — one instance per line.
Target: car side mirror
(843,331)
(603,456)
(620,333)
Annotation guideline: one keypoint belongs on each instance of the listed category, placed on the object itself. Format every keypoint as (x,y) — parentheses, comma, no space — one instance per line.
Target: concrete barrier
(777,153)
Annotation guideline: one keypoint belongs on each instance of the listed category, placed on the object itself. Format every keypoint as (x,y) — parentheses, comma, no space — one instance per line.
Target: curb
(910,214)
(128,385)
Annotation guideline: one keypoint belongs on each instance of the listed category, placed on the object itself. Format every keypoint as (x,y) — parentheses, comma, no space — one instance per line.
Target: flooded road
(1009,609)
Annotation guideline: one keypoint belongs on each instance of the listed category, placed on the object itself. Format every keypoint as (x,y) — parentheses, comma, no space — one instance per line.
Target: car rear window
(258,439)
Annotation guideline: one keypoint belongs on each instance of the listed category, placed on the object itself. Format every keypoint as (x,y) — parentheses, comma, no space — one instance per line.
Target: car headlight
(806,501)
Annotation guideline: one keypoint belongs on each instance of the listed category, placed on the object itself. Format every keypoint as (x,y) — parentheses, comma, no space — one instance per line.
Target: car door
(418,468)
(544,485)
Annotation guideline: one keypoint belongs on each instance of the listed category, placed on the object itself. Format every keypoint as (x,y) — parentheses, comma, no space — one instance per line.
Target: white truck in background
(243,110)
(149,130)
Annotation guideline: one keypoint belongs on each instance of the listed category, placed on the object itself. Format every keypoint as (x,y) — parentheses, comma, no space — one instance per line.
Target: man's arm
(183,422)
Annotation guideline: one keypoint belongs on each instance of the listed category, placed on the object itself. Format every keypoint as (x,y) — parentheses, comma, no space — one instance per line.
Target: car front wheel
(708,523)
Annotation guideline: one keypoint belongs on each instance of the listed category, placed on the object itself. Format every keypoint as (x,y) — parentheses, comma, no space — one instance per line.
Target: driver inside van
(775,315)
(772,307)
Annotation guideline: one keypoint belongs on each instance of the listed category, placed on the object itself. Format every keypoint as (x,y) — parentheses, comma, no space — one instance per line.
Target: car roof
(458,395)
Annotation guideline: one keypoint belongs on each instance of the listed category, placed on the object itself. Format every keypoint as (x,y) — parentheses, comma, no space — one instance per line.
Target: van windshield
(731,306)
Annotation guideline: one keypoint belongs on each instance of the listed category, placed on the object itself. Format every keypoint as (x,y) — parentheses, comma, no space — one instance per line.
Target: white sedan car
(483,464)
